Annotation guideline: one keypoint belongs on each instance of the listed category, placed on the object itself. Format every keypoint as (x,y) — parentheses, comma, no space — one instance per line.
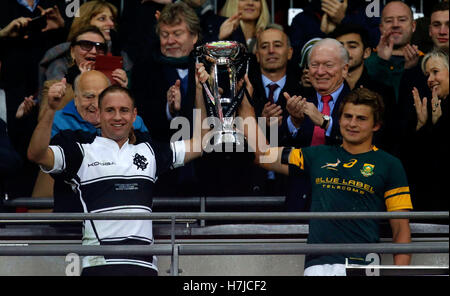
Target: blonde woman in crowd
(253,17)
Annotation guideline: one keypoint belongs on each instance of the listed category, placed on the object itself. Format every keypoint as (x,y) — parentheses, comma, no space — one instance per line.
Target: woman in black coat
(432,126)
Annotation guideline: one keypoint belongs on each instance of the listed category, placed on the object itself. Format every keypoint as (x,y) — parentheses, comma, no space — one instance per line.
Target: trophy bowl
(228,62)
(224,51)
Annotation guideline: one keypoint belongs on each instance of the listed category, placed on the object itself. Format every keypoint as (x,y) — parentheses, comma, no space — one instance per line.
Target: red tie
(272,87)
(319,133)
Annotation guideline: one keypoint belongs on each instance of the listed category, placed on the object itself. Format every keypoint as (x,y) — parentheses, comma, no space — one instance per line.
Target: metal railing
(175,249)
(221,216)
(169,201)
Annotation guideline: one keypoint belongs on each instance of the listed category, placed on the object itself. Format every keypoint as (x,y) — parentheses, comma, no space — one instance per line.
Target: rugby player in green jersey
(353,177)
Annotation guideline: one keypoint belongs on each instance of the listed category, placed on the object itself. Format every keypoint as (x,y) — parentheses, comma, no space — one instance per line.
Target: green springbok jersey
(374,181)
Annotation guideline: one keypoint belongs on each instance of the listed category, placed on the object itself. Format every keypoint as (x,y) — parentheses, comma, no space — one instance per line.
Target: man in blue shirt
(82,112)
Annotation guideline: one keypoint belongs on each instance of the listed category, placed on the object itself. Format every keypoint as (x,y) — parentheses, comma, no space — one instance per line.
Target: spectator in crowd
(179,31)
(83,50)
(10,161)
(421,35)
(320,18)
(331,170)
(430,124)
(304,80)
(415,78)
(394,53)
(355,39)
(99,13)
(274,76)
(254,17)
(138,166)
(138,27)
(168,69)
(438,28)
(58,60)
(328,64)
(81,115)
(22,45)
(215,27)
(328,67)
(139,30)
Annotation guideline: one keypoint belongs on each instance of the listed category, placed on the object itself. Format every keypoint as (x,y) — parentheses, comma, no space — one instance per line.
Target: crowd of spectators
(156,42)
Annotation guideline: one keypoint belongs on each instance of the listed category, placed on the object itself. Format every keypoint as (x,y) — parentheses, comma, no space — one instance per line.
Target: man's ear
(290,52)
(257,56)
(195,39)
(367,52)
(345,70)
(376,127)
(134,114)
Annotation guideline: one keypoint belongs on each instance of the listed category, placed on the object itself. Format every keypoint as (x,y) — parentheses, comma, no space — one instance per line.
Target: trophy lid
(224,49)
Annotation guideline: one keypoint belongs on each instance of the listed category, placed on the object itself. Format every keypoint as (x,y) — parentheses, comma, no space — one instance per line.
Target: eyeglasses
(87,45)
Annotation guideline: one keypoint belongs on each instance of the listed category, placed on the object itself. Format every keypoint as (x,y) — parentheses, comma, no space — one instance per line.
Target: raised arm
(267,157)
(194,145)
(38,150)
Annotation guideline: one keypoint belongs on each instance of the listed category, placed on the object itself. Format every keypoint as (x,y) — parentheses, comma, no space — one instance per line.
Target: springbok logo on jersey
(331,166)
(367,170)
(140,161)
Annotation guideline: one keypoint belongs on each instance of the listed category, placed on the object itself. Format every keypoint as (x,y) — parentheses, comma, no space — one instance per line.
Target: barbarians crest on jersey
(367,170)
(140,161)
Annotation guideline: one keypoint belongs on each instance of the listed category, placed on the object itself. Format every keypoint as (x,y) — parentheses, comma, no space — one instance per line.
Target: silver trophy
(228,62)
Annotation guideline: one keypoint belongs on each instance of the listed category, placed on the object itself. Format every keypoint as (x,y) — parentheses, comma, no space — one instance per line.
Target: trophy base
(225,141)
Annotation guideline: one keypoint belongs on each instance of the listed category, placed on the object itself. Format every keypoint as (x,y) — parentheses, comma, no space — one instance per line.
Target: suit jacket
(386,137)
(151,79)
(292,87)
(305,133)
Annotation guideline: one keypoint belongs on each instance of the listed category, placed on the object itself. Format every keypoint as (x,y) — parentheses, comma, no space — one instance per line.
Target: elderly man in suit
(316,121)
(314,114)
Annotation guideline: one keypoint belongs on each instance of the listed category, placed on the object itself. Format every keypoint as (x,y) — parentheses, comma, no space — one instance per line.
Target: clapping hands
(25,107)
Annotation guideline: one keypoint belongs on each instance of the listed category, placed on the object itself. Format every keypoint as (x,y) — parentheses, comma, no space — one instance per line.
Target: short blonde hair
(87,12)
(436,53)
(230,8)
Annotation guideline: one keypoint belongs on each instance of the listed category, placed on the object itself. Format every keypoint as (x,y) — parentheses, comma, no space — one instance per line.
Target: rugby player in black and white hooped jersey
(353,177)
(111,175)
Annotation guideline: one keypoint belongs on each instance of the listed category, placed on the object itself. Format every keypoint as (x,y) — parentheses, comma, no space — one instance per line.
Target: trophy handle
(213,106)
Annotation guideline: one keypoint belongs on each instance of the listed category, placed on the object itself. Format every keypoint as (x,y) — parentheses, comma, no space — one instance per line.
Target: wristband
(285,153)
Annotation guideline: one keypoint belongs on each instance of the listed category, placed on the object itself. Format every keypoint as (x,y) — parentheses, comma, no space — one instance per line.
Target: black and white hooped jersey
(109,179)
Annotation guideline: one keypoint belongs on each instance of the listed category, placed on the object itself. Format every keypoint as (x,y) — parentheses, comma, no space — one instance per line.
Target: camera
(35,25)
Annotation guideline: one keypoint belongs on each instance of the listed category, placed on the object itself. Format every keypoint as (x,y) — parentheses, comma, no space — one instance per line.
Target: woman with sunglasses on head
(86,45)
(58,60)
(81,55)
